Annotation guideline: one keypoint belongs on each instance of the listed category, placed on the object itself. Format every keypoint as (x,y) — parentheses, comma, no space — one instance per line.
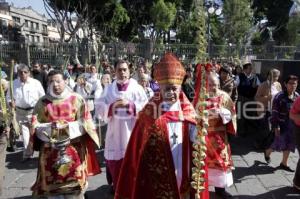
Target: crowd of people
(146,118)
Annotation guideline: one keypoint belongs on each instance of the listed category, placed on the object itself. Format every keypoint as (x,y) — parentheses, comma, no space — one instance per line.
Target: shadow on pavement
(280,193)
(258,168)
(102,192)
(241,145)
(14,161)
(26,197)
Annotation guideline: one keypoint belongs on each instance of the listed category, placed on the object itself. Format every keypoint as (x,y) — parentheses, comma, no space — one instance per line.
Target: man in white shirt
(26,93)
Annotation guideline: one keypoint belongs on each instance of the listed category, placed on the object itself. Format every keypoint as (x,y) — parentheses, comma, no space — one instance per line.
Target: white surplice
(176,145)
(120,124)
(175,129)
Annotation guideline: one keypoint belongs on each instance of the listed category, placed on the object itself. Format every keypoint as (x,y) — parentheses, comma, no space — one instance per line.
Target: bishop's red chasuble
(148,170)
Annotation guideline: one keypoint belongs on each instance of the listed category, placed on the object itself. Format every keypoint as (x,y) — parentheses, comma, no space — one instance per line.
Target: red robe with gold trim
(148,169)
(70,178)
(218,148)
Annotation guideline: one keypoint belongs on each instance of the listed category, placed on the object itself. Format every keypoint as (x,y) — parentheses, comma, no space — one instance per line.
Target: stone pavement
(253,178)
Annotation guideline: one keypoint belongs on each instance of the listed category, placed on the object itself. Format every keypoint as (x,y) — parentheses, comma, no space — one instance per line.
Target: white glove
(225,114)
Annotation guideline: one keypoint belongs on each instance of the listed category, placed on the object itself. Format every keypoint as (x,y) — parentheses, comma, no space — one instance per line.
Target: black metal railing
(54,53)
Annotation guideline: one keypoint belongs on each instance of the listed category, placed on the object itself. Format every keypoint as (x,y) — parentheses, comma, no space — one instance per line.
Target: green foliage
(127,19)
(138,12)
(142,15)
(293,28)
(256,39)
(237,20)
(163,15)
(277,14)
(200,38)
(118,18)
(187,5)
(216,30)
(186,28)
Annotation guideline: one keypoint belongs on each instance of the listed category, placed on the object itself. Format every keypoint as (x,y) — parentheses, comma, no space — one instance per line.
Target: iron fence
(55,54)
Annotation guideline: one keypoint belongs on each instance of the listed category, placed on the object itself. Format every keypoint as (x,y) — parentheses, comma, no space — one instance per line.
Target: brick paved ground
(252,177)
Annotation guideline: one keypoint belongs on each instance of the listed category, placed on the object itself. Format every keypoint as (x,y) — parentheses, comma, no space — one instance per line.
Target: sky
(37,5)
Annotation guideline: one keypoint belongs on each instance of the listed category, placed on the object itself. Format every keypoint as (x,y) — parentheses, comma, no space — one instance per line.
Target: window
(4,23)
(44,28)
(26,23)
(32,25)
(37,26)
(45,39)
(16,19)
(31,38)
(37,39)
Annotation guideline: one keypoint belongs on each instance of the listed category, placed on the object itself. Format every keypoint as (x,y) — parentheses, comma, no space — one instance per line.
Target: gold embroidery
(155,159)
(64,170)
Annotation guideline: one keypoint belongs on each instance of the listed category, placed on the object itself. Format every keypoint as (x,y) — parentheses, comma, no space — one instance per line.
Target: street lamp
(212,8)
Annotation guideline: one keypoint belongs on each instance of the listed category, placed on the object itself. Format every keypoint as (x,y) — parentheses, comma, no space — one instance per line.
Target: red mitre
(169,70)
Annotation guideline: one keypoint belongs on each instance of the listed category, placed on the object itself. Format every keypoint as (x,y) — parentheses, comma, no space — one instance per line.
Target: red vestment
(148,169)
(218,148)
(69,178)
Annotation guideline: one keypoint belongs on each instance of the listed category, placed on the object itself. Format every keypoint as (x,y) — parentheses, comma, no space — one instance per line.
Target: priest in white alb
(118,107)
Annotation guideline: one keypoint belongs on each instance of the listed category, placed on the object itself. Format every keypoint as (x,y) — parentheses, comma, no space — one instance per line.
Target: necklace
(174,135)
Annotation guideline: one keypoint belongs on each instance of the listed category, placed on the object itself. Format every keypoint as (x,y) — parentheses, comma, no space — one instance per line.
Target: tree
(143,21)
(256,39)
(103,18)
(107,16)
(293,28)
(185,27)
(277,14)
(113,19)
(216,30)
(237,20)
(64,13)
(162,15)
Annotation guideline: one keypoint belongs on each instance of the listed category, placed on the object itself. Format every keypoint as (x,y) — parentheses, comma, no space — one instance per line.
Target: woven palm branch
(199,147)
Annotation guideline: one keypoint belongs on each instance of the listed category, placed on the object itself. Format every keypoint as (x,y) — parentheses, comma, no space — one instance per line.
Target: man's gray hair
(23,67)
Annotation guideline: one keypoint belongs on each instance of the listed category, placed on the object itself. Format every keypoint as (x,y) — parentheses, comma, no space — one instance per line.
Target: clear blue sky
(37,5)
